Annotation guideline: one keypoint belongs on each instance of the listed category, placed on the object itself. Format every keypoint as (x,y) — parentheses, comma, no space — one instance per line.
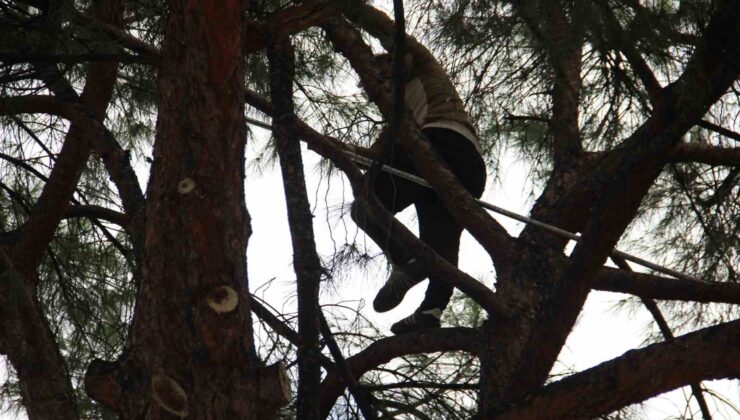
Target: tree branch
(719,130)
(386,349)
(288,21)
(665,330)
(9,58)
(624,43)
(363,398)
(710,353)
(562,42)
(665,288)
(283,329)
(28,342)
(99,213)
(305,132)
(704,153)
(625,174)
(58,191)
(116,159)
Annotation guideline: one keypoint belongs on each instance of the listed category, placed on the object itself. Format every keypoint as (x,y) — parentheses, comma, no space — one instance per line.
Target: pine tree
(119,300)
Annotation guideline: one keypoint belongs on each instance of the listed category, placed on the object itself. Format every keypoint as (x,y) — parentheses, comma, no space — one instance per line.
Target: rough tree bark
(190,352)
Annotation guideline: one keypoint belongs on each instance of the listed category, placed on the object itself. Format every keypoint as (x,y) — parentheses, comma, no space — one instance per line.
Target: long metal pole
(364,161)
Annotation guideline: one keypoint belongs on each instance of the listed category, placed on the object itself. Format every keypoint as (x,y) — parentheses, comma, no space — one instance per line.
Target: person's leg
(438,227)
(395,194)
(394,201)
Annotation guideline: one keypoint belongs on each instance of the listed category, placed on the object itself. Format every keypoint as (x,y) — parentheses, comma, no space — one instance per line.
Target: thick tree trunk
(191,352)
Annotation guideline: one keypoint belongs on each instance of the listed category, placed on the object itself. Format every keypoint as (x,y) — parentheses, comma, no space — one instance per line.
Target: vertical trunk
(191,352)
(305,260)
(192,333)
(517,353)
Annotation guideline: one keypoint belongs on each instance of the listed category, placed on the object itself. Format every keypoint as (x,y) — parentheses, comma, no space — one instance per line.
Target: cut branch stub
(222,299)
(185,186)
(169,395)
(101,382)
(274,385)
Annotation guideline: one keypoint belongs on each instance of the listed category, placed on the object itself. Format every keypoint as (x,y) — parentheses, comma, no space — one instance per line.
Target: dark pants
(437,226)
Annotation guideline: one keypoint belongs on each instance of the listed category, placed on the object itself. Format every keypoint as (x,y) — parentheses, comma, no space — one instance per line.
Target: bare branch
(97,212)
(665,288)
(710,353)
(719,130)
(704,153)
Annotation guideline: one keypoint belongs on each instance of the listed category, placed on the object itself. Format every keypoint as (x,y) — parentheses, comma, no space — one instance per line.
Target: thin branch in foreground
(704,153)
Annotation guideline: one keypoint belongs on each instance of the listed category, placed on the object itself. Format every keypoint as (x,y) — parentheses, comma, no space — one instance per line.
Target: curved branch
(99,213)
(386,349)
(710,353)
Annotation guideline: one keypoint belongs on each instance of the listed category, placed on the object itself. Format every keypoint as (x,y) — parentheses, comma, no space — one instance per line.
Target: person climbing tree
(437,109)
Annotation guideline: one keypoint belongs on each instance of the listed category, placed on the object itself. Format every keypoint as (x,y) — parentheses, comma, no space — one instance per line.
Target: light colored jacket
(432,98)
